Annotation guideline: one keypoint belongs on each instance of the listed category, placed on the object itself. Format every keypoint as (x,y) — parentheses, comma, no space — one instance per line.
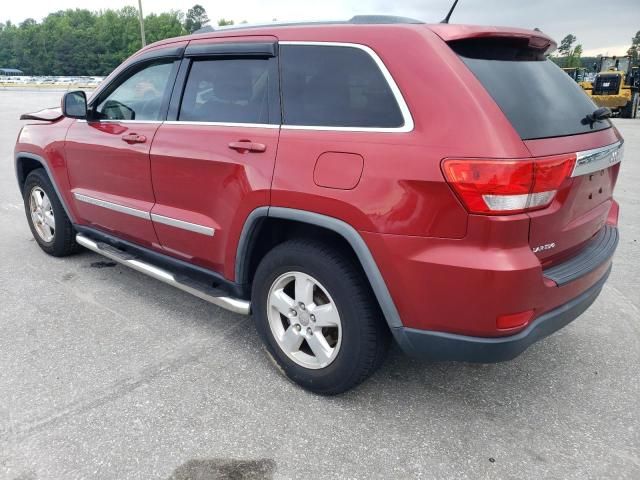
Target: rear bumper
(439,346)
(599,250)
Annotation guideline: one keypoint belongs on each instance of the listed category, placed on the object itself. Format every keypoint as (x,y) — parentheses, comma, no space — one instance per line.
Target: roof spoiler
(536,39)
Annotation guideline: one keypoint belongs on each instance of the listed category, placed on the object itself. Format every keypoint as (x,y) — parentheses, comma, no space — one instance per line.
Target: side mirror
(74,104)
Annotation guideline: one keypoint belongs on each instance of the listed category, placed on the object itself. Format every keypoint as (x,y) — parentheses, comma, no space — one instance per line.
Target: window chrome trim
(590,161)
(222,124)
(402,104)
(150,122)
(190,122)
(192,227)
(116,207)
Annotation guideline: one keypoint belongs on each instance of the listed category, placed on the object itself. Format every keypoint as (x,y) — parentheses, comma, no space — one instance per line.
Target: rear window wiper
(597,116)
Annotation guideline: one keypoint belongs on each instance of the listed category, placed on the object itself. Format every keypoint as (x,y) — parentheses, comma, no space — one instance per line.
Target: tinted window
(139,97)
(231,91)
(335,87)
(538,98)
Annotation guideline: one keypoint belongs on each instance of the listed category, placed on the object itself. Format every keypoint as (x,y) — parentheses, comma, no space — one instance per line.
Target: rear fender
(343,229)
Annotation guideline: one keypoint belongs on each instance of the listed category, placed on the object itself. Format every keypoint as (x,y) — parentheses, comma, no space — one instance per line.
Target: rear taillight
(503,187)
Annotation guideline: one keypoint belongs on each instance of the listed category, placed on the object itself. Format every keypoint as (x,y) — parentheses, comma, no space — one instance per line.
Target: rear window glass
(538,98)
(333,86)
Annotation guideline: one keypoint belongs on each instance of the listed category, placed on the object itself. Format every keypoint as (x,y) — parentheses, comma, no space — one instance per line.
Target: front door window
(139,97)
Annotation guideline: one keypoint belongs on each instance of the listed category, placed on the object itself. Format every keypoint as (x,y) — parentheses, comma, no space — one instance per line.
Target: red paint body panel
(402,194)
(462,286)
(197,178)
(446,270)
(103,166)
(46,140)
(338,170)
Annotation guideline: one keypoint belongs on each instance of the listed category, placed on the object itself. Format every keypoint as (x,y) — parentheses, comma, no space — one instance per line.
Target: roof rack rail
(378,19)
(356,20)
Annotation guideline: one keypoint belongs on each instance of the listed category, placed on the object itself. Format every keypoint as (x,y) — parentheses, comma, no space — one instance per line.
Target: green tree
(165,25)
(568,55)
(574,57)
(8,37)
(196,18)
(634,49)
(566,44)
(223,22)
(82,42)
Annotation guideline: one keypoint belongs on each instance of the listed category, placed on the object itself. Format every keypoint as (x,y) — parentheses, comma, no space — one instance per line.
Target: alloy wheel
(304,320)
(42,216)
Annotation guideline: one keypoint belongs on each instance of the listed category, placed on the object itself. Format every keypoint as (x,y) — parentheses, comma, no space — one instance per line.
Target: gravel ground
(107,374)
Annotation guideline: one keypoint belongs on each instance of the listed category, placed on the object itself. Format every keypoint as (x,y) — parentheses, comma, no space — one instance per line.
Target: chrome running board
(198,289)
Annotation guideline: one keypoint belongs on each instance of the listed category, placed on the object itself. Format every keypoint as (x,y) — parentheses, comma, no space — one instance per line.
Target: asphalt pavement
(108,374)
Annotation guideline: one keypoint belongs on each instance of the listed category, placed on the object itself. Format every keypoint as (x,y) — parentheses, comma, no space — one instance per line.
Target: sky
(602,26)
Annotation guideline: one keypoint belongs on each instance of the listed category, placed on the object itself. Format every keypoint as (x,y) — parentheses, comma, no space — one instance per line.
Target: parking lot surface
(108,374)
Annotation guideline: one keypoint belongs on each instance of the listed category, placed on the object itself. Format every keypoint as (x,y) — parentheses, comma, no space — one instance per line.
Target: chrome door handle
(134,138)
(245,146)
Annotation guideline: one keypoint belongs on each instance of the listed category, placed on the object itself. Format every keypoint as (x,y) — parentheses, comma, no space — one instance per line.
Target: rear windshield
(538,98)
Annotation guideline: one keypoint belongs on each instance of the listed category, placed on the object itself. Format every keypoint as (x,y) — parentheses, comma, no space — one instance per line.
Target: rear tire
(46,216)
(325,360)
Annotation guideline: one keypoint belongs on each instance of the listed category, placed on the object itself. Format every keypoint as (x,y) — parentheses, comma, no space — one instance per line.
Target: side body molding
(20,176)
(343,229)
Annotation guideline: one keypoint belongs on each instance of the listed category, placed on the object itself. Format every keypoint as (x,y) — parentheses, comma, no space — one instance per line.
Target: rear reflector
(514,320)
(503,187)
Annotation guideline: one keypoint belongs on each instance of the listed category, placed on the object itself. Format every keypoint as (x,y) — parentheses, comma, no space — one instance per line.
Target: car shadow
(225,469)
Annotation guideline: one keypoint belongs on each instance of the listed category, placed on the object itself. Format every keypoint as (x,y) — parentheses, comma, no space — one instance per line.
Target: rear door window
(538,98)
(229,91)
(335,86)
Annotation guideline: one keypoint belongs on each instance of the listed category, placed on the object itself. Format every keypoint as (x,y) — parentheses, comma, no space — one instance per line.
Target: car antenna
(453,7)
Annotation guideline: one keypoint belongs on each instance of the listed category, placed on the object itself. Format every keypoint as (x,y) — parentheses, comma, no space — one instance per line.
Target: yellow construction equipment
(615,86)
(578,74)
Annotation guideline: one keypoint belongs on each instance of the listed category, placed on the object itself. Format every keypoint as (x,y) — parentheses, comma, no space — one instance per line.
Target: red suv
(446,186)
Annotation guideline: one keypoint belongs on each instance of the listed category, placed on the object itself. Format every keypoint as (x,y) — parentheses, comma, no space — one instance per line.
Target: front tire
(317,316)
(47,218)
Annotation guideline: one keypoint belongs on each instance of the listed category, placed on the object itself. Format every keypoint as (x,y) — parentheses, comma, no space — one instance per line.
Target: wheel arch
(249,245)
(25,163)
